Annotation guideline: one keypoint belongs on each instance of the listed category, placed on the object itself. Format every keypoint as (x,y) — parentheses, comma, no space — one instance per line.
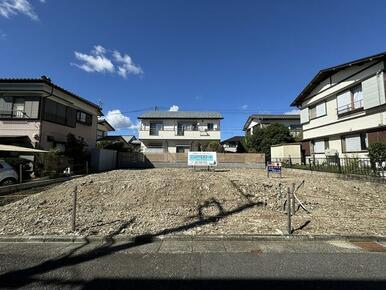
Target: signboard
(274,167)
(202,158)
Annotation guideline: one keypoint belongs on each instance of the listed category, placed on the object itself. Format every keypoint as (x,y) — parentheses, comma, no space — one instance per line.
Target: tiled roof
(47,81)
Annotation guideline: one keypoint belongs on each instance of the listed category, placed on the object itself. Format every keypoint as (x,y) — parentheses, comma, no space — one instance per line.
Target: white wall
(170,130)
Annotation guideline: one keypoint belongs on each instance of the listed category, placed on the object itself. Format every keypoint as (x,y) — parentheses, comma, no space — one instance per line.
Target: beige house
(178,132)
(38,113)
(292,122)
(343,109)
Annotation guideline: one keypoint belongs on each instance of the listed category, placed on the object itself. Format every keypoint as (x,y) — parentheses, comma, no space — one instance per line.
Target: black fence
(336,164)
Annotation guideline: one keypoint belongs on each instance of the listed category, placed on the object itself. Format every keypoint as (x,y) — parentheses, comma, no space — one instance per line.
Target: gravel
(167,201)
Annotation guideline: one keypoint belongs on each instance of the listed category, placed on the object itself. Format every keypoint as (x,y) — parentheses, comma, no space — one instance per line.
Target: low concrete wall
(33,184)
(225,160)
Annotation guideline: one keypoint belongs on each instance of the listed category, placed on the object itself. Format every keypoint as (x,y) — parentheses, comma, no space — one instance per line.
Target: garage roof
(12,148)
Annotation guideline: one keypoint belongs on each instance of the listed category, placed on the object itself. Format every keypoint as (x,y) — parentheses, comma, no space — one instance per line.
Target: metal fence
(336,164)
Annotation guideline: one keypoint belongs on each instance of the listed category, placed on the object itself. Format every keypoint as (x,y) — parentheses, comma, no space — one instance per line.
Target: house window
(84,118)
(59,113)
(350,100)
(320,146)
(318,110)
(155,127)
(354,143)
(210,127)
(19,107)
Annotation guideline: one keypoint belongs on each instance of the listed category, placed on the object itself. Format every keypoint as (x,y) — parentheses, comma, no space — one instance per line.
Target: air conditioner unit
(331,152)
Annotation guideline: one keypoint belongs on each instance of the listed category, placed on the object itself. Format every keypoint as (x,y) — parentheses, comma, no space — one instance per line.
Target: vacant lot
(183,201)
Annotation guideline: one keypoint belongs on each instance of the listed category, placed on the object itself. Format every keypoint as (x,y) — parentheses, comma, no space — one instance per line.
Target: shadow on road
(26,276)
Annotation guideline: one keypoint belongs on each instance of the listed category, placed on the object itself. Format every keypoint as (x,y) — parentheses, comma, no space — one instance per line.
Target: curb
(84,239)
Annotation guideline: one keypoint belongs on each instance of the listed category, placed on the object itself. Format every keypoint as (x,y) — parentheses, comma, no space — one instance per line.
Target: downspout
(41,114)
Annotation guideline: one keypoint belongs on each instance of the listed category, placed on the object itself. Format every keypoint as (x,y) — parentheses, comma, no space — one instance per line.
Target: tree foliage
(213,146)
(262,138)
(377,153)
(75,148)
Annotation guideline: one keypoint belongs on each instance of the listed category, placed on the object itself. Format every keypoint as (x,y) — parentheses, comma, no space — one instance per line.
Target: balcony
(182,134)
(350,108)
(18,114)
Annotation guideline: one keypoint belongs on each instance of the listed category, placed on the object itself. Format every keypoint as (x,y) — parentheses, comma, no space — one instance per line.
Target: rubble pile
(184,201)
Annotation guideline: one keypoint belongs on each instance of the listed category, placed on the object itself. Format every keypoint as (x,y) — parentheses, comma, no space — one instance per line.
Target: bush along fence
(336,164)
(29,168)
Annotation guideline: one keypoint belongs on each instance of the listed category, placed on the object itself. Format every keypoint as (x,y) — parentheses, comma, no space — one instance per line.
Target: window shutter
(343,102)
(353,143)
(321,109)
(373,91)
(304,117)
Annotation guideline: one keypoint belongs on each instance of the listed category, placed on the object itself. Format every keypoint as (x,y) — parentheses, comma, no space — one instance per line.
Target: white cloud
(293,112)
(174,108)
(10,8)
(42,1)
(136,126)
(99,61)
(244,107)
(118,120)
(127,65)
(96,61)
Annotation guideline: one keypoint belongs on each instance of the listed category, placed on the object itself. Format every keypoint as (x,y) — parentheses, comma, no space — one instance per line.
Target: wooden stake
(74,198)
(289,210)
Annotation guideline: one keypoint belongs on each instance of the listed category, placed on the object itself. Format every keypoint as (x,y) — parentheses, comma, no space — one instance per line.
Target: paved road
(194,265)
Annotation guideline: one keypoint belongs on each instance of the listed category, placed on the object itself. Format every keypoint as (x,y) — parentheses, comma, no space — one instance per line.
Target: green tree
(213,146)
(262,138)
(377,153)
(75,148)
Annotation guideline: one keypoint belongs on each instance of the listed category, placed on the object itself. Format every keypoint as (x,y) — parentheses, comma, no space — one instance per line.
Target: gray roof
(272,117)
(180,115)
(46,80)
(276,117)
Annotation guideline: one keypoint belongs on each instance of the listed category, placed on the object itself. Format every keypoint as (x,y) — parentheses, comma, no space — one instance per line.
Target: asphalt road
(192,265)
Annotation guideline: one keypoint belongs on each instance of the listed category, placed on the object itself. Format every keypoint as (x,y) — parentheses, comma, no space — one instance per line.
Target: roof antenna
(45,78)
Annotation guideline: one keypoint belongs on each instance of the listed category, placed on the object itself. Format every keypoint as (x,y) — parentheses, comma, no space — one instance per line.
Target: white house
(343,108)
(178,132)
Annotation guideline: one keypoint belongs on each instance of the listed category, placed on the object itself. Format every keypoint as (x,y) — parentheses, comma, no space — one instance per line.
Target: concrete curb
(83,239)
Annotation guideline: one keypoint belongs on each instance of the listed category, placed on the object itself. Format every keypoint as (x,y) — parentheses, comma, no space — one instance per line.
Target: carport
(19,149)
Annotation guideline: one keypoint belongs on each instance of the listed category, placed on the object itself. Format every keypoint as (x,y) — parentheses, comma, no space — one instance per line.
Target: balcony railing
(17,114)
(349,108)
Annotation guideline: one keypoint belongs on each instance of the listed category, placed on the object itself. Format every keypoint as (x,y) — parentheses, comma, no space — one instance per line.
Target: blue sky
(235,57)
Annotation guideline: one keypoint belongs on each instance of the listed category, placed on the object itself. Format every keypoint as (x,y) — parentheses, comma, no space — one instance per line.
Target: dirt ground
(183,201)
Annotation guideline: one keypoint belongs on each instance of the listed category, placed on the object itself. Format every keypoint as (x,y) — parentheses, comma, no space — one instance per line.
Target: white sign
(202,158)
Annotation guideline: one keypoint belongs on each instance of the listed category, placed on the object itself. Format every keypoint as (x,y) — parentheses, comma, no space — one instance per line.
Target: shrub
(262,138)
(377,153)
(213,146)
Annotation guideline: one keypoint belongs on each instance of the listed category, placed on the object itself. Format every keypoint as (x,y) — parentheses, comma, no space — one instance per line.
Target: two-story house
(343,108)
(292,122)
(178,132)
(38,113)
